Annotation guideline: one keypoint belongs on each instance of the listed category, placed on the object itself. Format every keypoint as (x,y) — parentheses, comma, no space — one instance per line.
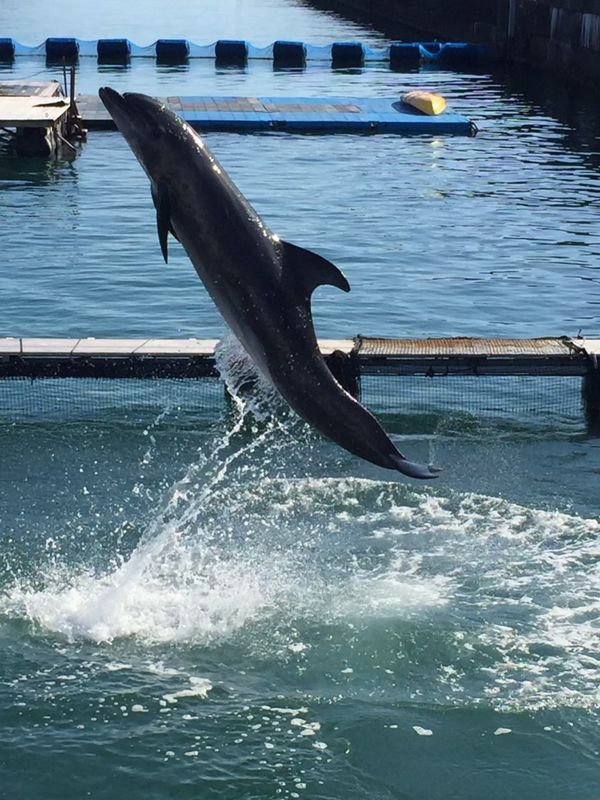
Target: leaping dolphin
(261,285)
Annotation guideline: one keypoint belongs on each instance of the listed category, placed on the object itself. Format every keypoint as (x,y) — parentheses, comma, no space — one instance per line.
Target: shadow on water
(19,170)
(371,20)
(574,106)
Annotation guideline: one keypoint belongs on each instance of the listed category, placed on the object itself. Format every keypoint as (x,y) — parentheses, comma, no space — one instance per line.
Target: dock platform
(31,105)
(185,358)
(38,115)
(31,360)
(31,112)
(294,114)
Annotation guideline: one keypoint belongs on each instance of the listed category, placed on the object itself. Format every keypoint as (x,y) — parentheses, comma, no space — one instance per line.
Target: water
(206,600)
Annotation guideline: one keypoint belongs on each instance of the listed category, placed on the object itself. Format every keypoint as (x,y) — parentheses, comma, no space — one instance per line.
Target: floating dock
(37,111)
(295,115)
(185,358)
(349,360)
(40,116)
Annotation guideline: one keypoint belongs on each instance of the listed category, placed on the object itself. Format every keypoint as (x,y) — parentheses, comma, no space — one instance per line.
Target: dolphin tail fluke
(414,470)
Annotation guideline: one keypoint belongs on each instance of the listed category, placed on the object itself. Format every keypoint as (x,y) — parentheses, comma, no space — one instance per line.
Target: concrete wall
(563,35)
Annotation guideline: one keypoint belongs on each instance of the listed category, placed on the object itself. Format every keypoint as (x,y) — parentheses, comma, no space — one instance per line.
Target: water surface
(196,602)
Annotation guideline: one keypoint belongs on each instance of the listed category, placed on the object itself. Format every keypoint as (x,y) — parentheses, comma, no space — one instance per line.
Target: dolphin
(261,284)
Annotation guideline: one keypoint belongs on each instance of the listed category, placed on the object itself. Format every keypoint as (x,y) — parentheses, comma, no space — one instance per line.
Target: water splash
(494,602)
(182,577)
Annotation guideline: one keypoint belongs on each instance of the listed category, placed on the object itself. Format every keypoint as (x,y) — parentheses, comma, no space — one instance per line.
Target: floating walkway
(185,358)
(349,360)
(236,53)
(294,114)
(39,116)
(32,105)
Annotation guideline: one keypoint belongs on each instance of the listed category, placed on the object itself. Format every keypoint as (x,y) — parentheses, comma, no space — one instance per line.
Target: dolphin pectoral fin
(163,217)
(310,270)
(414,470)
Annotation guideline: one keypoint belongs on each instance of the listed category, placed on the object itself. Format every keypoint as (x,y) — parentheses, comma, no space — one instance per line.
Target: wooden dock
(294,114)
(178,358)
(349,360)
(36,104)
(38,112)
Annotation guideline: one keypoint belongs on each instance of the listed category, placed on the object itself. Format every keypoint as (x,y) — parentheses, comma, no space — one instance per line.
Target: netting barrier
(417,385)
(415,403)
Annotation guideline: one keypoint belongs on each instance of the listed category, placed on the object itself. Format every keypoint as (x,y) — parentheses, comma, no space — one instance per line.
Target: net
(456,402)
(408,403)
(418,385)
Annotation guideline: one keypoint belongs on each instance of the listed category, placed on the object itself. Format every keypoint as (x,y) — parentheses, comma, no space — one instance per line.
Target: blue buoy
(402,54)
(231,53)
(59,50)
(7,50)
(289,54)
(347,54)
(113,51)
(172,51)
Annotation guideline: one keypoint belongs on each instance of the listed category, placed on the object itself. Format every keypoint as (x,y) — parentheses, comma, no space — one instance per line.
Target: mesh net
(523,402)
(414,403)
(63,399)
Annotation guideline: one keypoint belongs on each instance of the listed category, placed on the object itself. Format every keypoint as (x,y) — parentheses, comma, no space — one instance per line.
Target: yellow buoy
(427,102)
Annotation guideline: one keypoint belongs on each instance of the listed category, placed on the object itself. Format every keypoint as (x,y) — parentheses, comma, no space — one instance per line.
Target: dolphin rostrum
(261,285)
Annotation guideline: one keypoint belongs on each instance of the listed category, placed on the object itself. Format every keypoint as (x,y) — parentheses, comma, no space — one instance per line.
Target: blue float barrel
(289,54)
(59,50)
(403,54)
(347,54)
(7,50)
(231,53)
(113,51)
(457,53)
(172,51)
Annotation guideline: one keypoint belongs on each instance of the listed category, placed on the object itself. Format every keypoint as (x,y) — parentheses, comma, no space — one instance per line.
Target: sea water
(201,598)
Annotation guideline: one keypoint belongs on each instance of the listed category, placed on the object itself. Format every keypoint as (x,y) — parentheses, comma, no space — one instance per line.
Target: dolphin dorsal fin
(310,270)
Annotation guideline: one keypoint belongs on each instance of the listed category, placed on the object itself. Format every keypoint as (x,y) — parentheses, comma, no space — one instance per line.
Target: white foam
(183,584)
(199,687)
(158,668)
(391,594)
(515,590)
(155,607)
(422,731)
